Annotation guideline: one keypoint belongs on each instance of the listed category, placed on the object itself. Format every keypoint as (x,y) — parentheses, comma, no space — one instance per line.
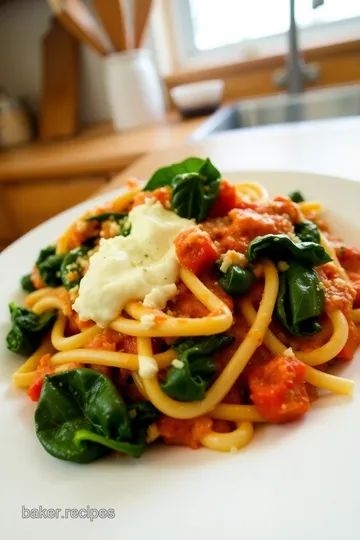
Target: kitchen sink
(283,108)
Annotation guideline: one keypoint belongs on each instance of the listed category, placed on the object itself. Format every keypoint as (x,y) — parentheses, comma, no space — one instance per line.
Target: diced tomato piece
(184,432)
(355,280)
(34,390)
(278,389)
(195,250)
(225,201)
(349,257)
(347,353)
(162,195)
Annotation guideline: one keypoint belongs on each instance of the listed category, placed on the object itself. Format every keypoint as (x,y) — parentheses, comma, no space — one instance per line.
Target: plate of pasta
(193,311)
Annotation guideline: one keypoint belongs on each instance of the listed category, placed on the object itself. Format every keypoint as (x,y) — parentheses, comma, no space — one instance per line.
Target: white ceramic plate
(293,482)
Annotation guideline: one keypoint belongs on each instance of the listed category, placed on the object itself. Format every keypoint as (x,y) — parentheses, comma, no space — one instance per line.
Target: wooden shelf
(98,150)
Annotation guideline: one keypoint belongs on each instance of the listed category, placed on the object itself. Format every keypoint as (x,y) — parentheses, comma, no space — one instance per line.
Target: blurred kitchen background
(80,98)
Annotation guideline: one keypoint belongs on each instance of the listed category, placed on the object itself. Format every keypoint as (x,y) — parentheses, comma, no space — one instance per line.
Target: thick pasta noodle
(214,342)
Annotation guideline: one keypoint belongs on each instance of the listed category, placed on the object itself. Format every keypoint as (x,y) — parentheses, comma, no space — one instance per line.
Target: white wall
(22,25)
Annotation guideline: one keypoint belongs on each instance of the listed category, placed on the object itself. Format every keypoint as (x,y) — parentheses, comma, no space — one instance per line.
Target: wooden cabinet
(24,205)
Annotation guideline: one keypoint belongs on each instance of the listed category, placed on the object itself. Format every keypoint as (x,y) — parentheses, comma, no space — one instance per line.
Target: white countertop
(322,146)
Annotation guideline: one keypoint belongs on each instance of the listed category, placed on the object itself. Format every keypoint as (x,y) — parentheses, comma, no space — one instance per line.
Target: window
(210,29)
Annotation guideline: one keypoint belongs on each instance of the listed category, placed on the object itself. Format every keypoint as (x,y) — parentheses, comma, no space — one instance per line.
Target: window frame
(188,56)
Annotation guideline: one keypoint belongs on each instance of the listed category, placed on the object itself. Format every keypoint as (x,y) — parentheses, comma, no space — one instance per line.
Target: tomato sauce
(163,195)
(349,257)
(339,294)
(278,389)
(184,432)
(241,226)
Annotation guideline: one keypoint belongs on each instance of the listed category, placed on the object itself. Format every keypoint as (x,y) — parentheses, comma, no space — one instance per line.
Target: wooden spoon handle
(142,10)
(77,19)
(113,18)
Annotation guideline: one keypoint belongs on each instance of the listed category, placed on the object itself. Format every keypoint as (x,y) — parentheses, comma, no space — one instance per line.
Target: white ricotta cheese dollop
(131,267)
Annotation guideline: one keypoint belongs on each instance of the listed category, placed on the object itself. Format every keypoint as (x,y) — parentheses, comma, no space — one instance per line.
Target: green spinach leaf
(307,231)
(194,194)
(190,380)
(81,417)
(300,300)
(164,176)
(279,247)
(28,329)
(296,196)
(142,414)
(120,218)
(237,281)
(72,267)
(48,264)
(195,183)
(27,284)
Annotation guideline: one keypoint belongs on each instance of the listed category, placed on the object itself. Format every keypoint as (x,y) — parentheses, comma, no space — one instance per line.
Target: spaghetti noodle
(265,301)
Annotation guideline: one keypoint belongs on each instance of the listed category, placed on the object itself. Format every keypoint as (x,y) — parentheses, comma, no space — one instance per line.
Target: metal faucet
(296,72)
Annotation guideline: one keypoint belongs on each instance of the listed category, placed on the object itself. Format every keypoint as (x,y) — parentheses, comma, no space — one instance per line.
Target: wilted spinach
(142,414)
(195,183)
(190,381)
(71,270)
(81,417)
(120,218)
(237,281)
(28,329)
(279,247)
(300,300)
(307,231)
(48,264)
(164,176)
(27,284)
(296,196)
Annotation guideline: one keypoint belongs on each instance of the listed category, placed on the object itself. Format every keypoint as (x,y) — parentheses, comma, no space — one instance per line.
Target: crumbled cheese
(232,257)
(289,352)
(283,266)
(152,433)
(149,201)
(148,367)
(179,364)
(81,226)
(114,228)
(82,262)
(148,320)
(321,286)
(129,268)
(159,296)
